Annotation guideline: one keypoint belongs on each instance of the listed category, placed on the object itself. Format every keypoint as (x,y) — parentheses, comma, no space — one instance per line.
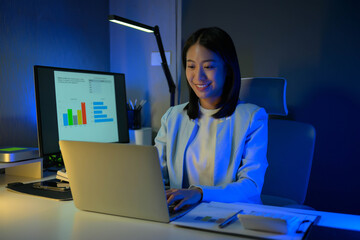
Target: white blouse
(200,155)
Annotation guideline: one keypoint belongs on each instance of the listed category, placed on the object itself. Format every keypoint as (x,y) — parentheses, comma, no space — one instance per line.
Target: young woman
(213,148)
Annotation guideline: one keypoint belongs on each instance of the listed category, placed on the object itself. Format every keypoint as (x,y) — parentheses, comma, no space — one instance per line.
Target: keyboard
(179,213)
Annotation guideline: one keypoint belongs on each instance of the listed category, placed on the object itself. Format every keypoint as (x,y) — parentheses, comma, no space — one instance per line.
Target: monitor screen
(79,105)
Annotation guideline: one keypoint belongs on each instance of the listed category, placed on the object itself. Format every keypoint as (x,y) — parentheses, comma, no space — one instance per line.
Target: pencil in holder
(134,118)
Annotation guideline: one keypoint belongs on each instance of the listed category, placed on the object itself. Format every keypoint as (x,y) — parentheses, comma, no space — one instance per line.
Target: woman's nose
(201,74)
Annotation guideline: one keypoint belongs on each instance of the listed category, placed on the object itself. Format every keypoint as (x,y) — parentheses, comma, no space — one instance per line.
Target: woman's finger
(181,204)
(173,197)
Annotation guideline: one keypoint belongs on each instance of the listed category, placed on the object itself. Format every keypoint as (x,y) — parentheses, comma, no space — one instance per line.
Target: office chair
(290,144)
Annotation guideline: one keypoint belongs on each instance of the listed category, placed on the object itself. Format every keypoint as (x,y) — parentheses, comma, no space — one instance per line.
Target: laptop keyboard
(178,213)
(171,209)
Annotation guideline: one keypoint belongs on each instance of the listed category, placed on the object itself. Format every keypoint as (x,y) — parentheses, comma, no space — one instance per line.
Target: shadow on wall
(335,171)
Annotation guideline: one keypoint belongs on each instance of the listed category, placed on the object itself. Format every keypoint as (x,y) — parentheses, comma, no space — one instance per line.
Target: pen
(131,104)
(141,104)
(229,220)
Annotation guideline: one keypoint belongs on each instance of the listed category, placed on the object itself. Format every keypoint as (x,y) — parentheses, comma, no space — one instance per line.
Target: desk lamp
(156,31)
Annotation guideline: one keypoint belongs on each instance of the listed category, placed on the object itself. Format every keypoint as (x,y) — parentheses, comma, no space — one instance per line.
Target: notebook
(117,179)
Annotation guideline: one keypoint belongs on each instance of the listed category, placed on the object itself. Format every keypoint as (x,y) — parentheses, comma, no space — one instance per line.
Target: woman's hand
(183,197)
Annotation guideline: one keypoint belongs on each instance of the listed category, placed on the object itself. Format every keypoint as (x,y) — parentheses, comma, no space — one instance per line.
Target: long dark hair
(219,42)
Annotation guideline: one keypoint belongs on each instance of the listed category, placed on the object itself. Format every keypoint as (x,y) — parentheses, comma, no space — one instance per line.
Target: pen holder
(134,118)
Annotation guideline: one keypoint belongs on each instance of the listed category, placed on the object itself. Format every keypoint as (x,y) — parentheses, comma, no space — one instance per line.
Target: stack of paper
(61,175)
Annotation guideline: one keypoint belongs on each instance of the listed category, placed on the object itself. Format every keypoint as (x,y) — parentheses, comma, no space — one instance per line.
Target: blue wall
(130,53)
(73,34)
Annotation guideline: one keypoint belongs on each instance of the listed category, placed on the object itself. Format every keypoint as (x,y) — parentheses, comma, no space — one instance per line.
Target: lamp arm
(165,66)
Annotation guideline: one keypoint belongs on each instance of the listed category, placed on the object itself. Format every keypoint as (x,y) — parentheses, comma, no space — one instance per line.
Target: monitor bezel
(120,95)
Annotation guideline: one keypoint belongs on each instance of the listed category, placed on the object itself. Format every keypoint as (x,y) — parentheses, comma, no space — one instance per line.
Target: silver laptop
(117,179)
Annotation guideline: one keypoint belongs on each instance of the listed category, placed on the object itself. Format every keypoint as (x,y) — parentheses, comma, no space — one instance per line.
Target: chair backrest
(290,153)
(290,143)
(269,93)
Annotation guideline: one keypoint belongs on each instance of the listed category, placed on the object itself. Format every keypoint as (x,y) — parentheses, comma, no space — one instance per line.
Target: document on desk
(208,216)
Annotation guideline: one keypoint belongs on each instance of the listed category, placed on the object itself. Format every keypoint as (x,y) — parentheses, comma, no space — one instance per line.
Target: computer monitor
(79,105)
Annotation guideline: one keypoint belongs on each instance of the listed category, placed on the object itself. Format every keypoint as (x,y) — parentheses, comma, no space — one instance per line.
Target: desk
(28,217)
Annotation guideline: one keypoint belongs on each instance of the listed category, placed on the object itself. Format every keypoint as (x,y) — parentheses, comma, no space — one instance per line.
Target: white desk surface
(28,217)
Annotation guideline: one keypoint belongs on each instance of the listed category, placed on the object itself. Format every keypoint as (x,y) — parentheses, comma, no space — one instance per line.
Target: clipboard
(208,216)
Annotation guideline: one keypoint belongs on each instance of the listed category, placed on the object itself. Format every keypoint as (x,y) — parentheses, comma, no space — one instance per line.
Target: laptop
(117,179)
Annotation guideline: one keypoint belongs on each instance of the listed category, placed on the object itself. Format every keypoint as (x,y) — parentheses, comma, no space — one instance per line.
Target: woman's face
(205,72)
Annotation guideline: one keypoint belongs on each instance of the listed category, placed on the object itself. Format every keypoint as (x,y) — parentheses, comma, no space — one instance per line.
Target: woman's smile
(202,87)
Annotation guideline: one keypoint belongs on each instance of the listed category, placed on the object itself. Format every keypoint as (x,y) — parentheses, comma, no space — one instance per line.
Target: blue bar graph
(99,116)
(65,118)
(100,107)
(98,103)
(104,120)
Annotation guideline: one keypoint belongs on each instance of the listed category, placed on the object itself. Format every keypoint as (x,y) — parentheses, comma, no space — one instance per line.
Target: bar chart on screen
(69,119)
(86,106)
(99,113)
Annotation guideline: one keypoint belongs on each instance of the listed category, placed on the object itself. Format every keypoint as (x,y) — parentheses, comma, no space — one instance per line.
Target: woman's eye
(209,67)
(190,66)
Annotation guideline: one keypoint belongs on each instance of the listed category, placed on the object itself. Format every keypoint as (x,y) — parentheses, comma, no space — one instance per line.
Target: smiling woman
(213,148)
(205,72)
(214,44)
